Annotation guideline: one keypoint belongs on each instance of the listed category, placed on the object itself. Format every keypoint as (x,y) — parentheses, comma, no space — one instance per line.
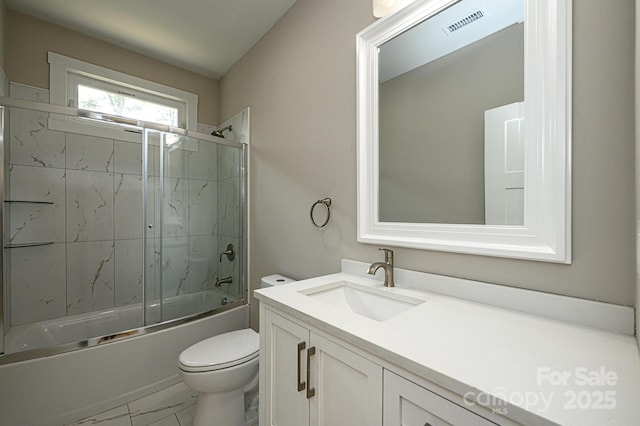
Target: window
(78,84)
(96,95)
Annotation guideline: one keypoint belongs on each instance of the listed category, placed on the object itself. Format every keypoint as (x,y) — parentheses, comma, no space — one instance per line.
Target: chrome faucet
(387,265)
(226,280)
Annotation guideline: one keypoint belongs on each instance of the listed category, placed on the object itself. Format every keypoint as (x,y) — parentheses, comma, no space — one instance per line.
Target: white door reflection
(504,165)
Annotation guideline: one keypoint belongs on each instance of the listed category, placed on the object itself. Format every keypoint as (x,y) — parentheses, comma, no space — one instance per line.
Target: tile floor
(173,406)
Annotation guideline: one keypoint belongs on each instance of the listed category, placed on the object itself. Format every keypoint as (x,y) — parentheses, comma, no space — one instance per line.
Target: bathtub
(80,327)
(66,387)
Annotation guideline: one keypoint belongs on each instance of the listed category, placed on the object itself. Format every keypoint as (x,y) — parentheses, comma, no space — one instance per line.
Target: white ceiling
(204,36)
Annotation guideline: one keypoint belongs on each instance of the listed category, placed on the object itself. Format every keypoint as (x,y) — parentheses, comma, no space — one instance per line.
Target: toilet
(222,369)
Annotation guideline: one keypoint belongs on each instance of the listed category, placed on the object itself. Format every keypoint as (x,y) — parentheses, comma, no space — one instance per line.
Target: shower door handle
(301,385)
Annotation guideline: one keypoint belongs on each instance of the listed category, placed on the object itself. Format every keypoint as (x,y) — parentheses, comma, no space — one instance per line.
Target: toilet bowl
(222,369)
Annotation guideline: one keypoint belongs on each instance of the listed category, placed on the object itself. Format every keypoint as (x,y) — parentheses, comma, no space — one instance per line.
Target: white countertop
(484,351)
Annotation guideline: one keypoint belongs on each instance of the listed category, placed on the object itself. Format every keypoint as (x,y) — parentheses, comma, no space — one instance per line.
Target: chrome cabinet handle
(301,385)
(310,391)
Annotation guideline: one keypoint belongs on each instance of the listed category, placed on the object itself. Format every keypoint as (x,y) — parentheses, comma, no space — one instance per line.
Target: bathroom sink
(374,303)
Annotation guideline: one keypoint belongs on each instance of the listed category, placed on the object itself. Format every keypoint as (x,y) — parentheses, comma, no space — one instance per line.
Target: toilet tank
(276,279)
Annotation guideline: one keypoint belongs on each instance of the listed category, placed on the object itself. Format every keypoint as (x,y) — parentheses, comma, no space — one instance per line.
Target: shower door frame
(7,102)
(2,181)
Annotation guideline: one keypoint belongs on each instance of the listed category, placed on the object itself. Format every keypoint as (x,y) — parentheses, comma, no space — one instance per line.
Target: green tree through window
(91,98)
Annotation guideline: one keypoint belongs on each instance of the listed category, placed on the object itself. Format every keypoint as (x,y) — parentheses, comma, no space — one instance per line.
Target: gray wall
(299,80)
(637,105)
(4,88)
(29,39)
(432,130)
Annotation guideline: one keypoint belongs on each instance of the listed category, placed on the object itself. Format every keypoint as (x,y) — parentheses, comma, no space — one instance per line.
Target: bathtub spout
(226,280)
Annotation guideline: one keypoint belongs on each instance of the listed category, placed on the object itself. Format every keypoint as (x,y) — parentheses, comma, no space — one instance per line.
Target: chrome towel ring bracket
(326,202)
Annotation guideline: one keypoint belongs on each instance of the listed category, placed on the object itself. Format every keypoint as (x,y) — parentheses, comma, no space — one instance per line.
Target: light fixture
(384,7)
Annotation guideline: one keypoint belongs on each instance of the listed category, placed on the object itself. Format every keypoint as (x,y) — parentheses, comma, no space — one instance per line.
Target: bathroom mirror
(464,128)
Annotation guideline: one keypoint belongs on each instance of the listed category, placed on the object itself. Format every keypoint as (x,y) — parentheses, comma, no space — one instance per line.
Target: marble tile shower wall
(229,202)
(240,127)
(95,218)
(229,221)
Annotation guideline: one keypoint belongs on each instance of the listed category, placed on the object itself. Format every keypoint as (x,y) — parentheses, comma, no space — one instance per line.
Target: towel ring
(325,202)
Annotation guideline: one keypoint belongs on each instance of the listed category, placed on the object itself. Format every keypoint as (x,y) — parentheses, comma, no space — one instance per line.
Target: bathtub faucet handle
(230,252)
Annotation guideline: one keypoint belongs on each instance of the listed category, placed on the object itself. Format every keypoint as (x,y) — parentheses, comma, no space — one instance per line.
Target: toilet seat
(221,351)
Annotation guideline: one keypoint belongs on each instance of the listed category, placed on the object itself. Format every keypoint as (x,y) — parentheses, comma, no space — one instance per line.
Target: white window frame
(65,73)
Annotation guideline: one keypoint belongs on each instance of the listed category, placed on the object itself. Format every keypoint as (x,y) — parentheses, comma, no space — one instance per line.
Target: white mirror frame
(546,234)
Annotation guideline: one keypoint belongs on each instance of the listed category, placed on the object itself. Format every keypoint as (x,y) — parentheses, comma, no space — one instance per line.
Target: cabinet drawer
(407,404)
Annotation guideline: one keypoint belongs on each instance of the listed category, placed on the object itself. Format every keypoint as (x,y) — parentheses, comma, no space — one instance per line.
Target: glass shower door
(105,235)
(193,226)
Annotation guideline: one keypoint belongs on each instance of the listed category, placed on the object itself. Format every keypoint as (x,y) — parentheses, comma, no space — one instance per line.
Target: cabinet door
(282,365)
(407,404)
(348,387)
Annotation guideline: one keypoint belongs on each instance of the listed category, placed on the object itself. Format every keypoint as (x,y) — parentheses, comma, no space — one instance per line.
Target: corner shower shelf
(12,246)
(28,201)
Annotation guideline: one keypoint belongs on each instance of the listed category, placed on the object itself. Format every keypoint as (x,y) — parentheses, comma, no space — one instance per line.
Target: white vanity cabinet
(307,379)
(408,404)
(442,361)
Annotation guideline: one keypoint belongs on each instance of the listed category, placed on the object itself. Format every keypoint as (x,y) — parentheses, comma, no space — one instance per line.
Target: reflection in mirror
(451,93)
